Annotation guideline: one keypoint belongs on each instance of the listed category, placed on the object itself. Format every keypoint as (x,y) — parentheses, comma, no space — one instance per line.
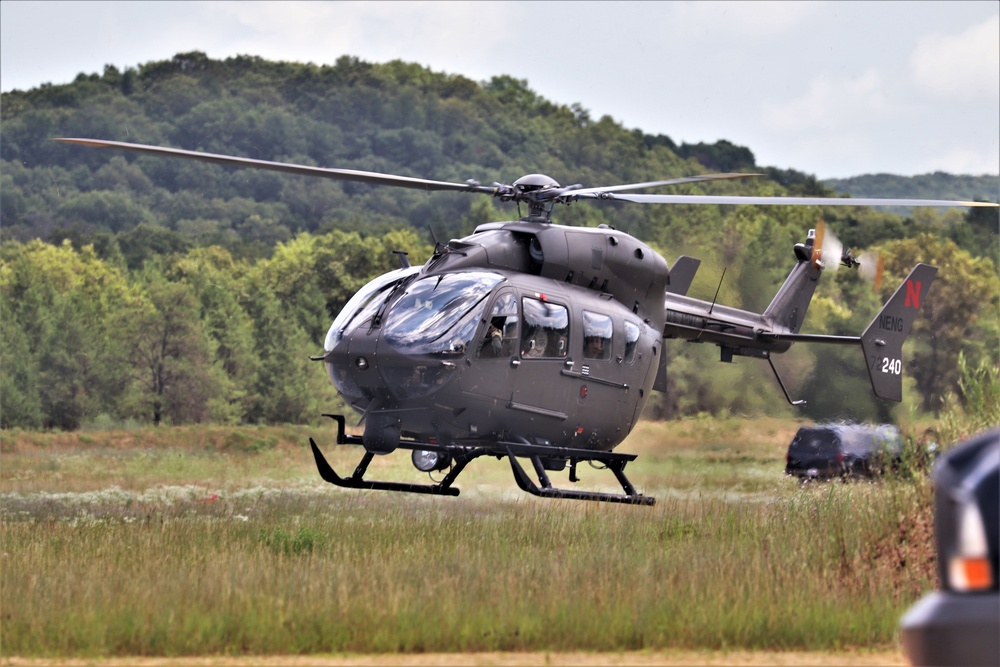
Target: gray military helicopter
(531,340)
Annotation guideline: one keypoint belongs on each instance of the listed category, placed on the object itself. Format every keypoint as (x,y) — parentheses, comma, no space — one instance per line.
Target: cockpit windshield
(367,299)
(439,314)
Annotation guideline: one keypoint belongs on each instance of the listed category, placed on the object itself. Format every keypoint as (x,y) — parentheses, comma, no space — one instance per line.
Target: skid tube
(546,490)
(462,455)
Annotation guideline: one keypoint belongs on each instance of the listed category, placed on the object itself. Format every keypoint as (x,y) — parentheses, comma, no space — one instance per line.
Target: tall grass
(977,406)
(301,569)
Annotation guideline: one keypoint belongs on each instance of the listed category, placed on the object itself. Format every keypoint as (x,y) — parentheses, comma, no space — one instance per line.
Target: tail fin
(882,341)
(681,274)
(789,306)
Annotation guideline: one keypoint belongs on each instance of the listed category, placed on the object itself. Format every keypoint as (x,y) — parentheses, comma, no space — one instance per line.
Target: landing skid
(546,490)
(463,454)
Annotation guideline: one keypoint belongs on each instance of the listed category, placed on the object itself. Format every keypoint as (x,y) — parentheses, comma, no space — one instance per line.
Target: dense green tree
(959,315)
(216,280)
(937,185)
(172,373)
(62,301)
(20,399)
(289,388)
(102,209)
(978,233)
(723,156)
(148,241)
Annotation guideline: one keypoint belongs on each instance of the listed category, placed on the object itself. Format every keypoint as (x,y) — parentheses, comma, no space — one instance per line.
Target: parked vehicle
(960,623)
(843,450)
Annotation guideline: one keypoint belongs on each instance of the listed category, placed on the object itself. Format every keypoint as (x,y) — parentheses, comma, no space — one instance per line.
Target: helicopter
(532,340)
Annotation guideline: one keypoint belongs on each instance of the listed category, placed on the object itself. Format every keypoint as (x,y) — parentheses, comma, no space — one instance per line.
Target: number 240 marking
(892,366)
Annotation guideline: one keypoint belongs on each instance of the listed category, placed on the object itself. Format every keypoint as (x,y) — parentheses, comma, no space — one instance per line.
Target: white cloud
(831,103)
(964,65)
(963,161)
(746,20)
(429,33)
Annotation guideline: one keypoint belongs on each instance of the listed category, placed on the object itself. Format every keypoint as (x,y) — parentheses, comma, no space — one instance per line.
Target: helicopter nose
(383,381)
(351,366)
(368,367)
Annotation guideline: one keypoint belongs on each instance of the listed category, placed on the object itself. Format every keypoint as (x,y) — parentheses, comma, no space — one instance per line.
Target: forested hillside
(171,291)
(938,185)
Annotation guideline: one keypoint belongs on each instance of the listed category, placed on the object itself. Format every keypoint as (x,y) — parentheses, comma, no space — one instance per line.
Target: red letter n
(912,294)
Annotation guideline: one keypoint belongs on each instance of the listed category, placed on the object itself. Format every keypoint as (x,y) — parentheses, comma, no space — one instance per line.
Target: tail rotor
(828,254)
(828,251)
(870,266)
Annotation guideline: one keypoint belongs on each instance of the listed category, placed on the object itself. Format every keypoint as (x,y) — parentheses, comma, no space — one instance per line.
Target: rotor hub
(532,190)
(535,182)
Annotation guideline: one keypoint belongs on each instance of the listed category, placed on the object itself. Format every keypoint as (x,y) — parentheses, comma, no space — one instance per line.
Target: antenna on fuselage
(717,290)
(403,259)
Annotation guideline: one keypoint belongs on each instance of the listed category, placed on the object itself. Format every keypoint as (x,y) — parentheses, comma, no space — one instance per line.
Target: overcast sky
(834,89)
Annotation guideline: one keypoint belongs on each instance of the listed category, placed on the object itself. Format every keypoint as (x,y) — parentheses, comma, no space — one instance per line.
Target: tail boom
(748,334)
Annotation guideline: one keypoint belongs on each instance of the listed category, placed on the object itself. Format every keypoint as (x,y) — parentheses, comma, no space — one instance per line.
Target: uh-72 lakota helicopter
(533,340)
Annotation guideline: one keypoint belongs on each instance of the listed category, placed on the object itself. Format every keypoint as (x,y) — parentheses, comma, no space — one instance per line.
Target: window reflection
(363,305)
(631,341)
(439,314)
(544,330)
(500,339)
(597,330)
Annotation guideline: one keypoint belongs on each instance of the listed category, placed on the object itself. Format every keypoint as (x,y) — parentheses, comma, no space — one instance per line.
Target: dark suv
(842,450)
(960,623)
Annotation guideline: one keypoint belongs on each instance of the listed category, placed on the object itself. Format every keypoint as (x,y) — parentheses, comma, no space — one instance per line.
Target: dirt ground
(624,659)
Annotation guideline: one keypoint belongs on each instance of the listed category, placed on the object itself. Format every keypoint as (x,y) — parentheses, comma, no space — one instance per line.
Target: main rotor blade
(785,201)
(370,177)
(651,184)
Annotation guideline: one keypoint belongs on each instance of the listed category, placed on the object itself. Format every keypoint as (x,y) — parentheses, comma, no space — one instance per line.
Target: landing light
(425,460)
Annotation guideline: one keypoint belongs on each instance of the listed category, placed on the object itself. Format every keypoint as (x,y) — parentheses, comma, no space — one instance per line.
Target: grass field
(212,541)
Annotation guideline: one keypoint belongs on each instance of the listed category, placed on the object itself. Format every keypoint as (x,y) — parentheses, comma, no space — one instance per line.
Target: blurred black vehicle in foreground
(960,623)
(843,450)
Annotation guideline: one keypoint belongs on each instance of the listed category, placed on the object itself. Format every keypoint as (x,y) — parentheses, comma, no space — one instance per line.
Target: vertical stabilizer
(882,341)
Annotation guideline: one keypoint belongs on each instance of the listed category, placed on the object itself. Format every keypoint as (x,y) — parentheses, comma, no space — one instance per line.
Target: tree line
(188,338)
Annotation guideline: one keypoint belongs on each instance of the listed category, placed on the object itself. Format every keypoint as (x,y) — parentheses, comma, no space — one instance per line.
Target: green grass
(189,547)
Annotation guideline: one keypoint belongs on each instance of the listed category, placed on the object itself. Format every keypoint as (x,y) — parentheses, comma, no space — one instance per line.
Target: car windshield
(439,314)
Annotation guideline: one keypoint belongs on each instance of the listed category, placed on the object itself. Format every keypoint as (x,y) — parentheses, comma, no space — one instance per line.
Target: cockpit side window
(500,339)
(544,329)
(597,330)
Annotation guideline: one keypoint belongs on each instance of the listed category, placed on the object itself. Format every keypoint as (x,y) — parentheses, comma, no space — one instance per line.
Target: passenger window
(544,329)
(597,330)
(631,341)
(500,340)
